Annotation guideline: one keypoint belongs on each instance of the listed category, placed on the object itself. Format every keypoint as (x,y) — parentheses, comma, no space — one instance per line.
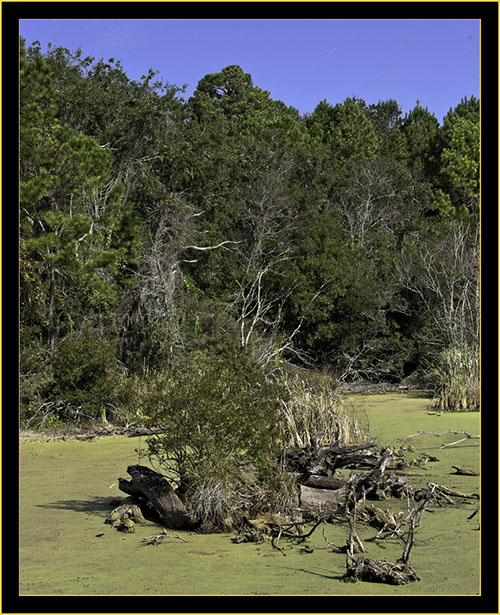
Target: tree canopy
(153,227)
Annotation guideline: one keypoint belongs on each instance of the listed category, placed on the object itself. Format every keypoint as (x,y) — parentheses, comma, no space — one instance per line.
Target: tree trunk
(52,310)
(323,502)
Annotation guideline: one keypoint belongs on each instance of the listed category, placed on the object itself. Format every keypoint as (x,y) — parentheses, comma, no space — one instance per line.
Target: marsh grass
(457,387)
(314,409)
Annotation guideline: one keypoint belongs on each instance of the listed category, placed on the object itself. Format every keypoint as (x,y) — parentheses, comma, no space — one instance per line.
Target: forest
(211,252)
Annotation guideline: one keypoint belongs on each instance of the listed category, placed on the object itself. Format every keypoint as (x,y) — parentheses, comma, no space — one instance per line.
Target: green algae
(67,549)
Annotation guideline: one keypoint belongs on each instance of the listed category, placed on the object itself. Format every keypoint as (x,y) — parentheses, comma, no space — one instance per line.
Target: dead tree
(382,571)
(170,237)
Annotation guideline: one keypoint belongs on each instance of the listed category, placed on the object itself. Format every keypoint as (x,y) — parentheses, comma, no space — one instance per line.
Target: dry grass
(317,410)
(457,380)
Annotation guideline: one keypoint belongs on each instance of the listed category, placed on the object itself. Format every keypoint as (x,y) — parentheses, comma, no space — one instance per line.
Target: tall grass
(457,380)
(316,411)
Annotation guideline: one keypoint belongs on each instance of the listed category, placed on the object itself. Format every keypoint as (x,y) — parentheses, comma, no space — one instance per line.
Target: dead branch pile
(322,497)
(379,571)
(324,461)
(322,493)
(274,527)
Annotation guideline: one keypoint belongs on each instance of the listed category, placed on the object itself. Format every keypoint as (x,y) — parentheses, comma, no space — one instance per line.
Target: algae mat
(65,488)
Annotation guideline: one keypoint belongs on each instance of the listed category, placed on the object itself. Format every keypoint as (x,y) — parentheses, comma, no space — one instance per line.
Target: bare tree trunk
(52,309)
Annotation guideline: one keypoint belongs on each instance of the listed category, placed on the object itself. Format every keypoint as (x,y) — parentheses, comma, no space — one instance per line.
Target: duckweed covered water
(67,549)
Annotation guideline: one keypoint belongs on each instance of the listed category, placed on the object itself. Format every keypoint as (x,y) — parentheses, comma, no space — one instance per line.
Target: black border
(488,13)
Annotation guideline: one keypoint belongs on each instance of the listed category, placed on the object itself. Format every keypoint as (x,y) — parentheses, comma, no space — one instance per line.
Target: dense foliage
(153,228)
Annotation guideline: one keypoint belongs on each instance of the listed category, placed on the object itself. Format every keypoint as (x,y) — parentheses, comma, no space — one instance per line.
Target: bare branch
(220,245)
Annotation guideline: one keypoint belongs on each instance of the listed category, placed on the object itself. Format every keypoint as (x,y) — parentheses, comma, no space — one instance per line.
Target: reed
(457,380)
(317,411)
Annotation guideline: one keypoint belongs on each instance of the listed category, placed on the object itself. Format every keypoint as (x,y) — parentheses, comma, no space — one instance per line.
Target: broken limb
(432,433)
(156,539)
(464,471)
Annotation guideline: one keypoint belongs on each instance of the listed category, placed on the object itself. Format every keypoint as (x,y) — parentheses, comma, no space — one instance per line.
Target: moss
(66,488)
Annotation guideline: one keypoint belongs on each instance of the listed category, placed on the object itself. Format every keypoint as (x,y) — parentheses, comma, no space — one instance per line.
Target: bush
(220,417)
(83,370)
(35,377)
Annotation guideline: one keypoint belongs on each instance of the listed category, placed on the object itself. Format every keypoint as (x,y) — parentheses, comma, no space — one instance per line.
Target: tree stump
(379,571)
(148,485)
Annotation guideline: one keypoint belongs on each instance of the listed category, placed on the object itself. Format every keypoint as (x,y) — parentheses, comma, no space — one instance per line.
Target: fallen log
(321,482)
(324,502)
(146,484)
(464,471)
(329,503)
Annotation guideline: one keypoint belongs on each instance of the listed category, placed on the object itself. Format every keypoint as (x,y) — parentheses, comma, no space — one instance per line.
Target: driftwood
(464,471)
(157,539)
(154,489)
(381,571)
(329,503)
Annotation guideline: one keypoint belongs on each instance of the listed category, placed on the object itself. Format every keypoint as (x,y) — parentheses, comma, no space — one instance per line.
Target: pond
(67,549)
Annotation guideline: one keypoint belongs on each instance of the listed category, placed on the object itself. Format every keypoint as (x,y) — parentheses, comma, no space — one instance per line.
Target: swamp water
(66,549)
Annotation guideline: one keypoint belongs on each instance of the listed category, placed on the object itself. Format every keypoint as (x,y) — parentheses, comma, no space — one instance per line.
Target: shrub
(82,372)
(220,416)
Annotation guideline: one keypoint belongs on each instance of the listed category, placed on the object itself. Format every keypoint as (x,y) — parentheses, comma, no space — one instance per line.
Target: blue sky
(299,61)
